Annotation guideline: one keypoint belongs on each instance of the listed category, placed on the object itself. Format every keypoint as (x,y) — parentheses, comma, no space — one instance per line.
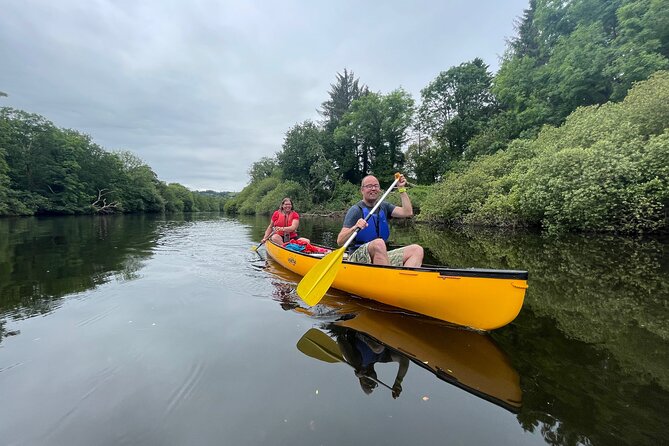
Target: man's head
(370,189)
(367,377)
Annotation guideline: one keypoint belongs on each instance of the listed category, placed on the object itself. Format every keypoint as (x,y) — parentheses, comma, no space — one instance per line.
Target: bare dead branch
(100,205)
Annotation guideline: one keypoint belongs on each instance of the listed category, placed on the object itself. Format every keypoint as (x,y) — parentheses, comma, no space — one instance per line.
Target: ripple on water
(97,317)
(186,387)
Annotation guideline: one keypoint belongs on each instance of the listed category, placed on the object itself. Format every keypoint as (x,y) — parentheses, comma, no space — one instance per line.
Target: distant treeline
(546,141)
(48,170)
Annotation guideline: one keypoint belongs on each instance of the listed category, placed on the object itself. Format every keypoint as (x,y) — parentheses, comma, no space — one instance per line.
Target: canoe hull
(480,299)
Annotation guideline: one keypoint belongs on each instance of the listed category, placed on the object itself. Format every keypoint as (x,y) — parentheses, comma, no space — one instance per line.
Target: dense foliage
(48,170)
(529,145)
(605,169)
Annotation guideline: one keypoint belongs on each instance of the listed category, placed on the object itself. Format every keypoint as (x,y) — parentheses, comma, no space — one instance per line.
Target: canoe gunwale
(442,270)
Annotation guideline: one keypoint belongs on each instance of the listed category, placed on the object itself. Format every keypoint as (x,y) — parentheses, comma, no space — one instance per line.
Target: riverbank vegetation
(48,170)
(570,133)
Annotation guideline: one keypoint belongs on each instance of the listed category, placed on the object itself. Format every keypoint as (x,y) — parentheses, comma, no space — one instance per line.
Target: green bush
(604,169)
(246,200)
(271,201)
(345,194)
(475,194)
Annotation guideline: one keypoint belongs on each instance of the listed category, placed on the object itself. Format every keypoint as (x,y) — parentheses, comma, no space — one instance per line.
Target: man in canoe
(369,245)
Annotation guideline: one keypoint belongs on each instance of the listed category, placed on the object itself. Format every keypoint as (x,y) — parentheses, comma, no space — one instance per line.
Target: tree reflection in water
(591,344)
(43,260)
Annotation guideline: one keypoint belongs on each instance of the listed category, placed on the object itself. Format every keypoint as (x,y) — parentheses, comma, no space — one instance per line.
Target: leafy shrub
(245,201)
(604,169)
(272,199)
(464,196)
(344,195)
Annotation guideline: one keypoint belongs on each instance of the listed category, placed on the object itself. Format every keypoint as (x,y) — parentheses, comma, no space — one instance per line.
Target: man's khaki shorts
(361,255)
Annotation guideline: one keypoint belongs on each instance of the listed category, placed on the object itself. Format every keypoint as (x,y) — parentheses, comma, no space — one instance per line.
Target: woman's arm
(271,227)
(268,231)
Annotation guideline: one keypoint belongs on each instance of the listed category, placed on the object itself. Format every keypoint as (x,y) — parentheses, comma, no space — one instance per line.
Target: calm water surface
(145,330)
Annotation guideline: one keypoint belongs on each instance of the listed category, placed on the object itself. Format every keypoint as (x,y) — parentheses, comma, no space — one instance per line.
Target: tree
(376,126)
(342,93)
(140,188)
(302,148)
(362,127)
(324,179)
(43,163)
(527,41)
(640,46)
(604,169)
(100,170)
(184,201)
(45,169)
(4,182)
(263,168)
(578,53)
(457,105)
(398,109)
(575,74)
(21,140)
(426,162)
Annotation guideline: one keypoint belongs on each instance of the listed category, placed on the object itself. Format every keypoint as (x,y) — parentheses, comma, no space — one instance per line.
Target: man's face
(370,189)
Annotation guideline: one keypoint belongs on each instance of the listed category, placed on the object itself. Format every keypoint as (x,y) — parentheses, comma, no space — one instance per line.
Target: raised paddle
(317,281)
(316,344)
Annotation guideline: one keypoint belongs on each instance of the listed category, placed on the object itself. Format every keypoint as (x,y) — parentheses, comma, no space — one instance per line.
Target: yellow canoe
(483,299)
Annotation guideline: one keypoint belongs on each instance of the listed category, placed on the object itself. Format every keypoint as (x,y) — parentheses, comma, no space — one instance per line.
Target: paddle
(316,344)
(255,248)
(317,281)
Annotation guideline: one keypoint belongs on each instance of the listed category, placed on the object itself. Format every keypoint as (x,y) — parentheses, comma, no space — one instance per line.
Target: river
(153,330)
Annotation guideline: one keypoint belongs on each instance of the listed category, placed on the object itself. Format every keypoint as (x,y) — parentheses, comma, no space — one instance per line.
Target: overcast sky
(201,89)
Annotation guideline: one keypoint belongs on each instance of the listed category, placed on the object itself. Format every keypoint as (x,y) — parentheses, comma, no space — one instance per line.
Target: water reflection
(358,351)
(589,352)
(464,358)
(362,334)
(591,344)
(610,292)
(593,333)
(43,260)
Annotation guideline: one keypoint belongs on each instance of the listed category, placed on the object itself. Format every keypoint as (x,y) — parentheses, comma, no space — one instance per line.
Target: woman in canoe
(283,225)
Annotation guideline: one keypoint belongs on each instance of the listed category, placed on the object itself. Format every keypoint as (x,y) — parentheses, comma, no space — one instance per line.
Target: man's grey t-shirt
(355,212)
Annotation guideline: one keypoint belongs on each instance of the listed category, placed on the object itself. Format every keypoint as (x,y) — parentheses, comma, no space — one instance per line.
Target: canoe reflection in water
(357,350)
(466,359)
(362,333)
